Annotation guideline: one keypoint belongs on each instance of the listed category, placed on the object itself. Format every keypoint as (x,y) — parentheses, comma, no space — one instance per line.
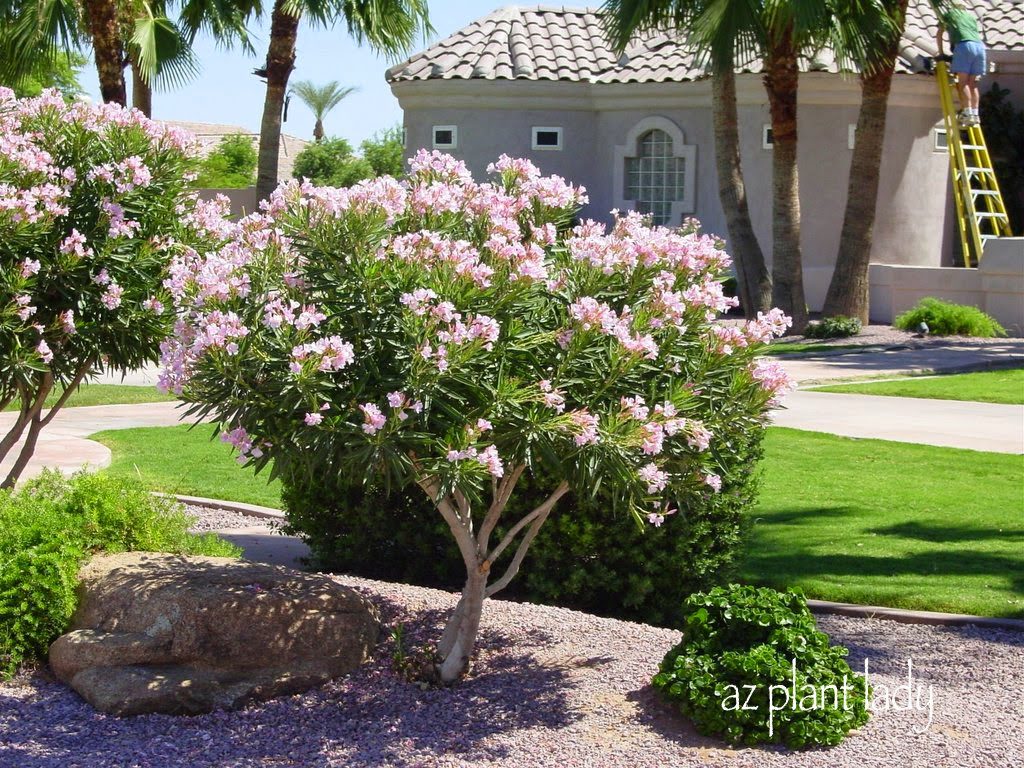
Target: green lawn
(186,461)
(106,394)
(894,524)
(985,387)
(864,521)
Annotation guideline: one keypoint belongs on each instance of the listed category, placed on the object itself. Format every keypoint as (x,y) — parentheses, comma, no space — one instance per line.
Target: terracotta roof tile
(556,43)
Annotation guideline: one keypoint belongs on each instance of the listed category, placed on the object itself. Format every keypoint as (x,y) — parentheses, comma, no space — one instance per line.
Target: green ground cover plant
(753,668)
(49,527)
(837,327)
(783,347)
(947,319)
(983,387)
(865,521)
(105,394)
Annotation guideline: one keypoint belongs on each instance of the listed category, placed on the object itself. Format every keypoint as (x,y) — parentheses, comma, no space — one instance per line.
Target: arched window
(655,178)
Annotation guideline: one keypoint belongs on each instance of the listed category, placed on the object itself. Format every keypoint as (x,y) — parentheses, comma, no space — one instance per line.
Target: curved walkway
(63,444)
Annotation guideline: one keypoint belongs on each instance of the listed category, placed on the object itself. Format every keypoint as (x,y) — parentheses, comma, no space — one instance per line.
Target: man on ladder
(968,57)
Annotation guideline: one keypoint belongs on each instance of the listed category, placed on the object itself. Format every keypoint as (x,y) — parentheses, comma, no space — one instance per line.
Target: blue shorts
(969,58)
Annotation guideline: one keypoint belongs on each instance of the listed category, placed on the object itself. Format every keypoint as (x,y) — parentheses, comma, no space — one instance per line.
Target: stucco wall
(913,199)
(997,286)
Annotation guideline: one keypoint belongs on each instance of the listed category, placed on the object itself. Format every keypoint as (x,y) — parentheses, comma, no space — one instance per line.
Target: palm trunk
(318,130)
(107,50)
(781,80)
(849,288)
(284,29)
(142,92)
(755,284)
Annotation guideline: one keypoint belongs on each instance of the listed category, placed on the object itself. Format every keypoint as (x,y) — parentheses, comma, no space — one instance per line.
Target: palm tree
(137,33)
(848,290)
(320,99)
(722,29)
(388,26)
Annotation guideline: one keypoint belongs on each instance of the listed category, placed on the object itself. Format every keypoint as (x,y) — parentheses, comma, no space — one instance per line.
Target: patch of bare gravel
(551,687)
(218,519)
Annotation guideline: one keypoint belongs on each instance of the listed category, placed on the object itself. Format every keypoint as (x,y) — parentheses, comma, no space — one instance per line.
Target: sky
(227,92)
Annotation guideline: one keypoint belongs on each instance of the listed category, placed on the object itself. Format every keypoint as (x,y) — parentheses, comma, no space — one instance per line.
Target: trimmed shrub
(230,165)
(743,651)
(588,556)
(947,319)
(838,327)
(332,163)
(49,527)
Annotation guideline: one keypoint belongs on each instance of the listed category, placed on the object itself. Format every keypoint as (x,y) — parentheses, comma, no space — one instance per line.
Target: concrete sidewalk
(947,358)
(63,444)
(953,423)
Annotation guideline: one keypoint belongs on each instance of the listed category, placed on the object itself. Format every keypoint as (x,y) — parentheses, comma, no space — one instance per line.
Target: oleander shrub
(744,652)
(838,327)
(94,201)
(452,337)
(51,525)
(947,319)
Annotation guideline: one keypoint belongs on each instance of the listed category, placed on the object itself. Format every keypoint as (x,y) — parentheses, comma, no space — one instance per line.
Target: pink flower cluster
(773,378)
(760,330)
(243,442)
(488,457)
(592,314)
(584,427)
(332,354)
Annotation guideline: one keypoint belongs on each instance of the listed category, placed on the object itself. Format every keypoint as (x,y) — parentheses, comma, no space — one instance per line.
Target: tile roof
(568,44)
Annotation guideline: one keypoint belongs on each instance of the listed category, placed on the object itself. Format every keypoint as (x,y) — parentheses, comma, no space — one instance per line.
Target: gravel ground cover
(550,687)
(213,519)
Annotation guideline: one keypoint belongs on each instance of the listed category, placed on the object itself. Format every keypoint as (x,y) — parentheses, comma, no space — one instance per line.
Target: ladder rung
(972,169)
(986,215)
(973,146)
(984,192)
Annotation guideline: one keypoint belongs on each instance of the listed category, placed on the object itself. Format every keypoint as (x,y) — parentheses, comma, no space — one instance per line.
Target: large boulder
(187,635)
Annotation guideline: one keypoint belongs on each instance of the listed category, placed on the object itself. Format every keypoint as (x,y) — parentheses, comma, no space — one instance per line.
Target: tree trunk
(459,636)
(107,50)
(755,284)
(284,29)
(142,92)
(318,130)
(848,290)
(781,80)
(34,428)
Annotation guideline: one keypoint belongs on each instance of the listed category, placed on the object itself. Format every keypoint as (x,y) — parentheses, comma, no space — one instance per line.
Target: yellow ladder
(980,212)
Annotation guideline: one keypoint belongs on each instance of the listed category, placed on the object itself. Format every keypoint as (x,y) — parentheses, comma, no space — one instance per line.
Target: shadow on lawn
(939,533)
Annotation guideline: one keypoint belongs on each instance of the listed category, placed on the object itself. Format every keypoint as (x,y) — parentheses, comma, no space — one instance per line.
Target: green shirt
(961,25)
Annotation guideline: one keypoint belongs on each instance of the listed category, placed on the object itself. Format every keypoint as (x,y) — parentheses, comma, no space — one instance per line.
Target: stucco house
(636,130)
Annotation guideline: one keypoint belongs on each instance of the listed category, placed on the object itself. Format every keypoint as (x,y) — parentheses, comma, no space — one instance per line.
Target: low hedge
(587,556)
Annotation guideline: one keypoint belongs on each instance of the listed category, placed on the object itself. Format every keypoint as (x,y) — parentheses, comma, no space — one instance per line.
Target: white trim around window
(688,152)
(940,140)
(448,135)
(543,137)
(851,135)
(766,136)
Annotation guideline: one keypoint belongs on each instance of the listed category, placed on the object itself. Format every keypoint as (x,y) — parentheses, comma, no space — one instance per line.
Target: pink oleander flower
(396,399)
(656,479)
(373,419)
(111,298)
(654,438)
(698,437)
(772,378)
(44,351)
(67,321)
(153,305)
(418,300)
(634,406)
(585,428)
(312,419)
(655,519)
(491,460)
(102,278)
(714,482)
(29,267)
(483,425)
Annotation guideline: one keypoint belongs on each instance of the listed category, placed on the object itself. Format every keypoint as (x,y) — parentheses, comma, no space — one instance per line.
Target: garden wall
(997,286)
(243,201)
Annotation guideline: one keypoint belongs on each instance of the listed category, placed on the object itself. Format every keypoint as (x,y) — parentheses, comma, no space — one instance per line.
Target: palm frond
(162,51)
(387,26)
(37,29)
